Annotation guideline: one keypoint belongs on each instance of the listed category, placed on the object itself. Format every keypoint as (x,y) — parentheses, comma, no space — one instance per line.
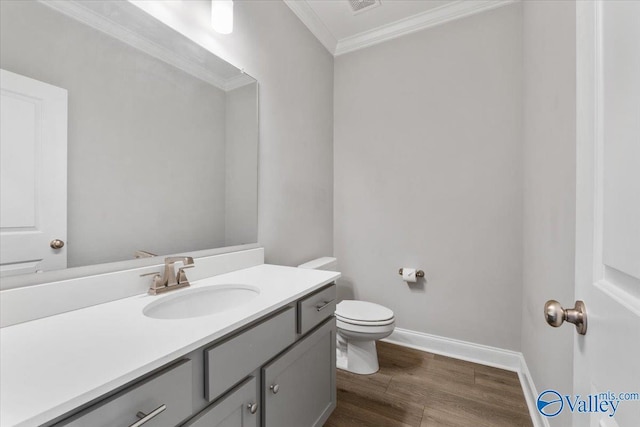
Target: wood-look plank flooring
(418,389)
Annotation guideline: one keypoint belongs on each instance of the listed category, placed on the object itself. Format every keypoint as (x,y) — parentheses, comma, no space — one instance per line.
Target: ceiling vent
(359,6)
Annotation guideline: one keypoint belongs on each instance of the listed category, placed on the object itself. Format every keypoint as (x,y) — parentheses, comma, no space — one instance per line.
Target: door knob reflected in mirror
(56,244)
(555,315)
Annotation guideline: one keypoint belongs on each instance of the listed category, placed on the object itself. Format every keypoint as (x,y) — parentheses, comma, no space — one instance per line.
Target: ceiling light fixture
(222,16)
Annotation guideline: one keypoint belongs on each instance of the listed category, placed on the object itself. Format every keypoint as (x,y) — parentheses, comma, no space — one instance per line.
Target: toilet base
(359,357)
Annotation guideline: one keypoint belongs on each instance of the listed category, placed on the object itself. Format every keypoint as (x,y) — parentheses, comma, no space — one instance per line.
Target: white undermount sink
(198,302)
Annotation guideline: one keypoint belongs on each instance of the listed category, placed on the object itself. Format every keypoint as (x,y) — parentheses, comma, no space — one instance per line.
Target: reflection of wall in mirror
(146,142)
(241,225)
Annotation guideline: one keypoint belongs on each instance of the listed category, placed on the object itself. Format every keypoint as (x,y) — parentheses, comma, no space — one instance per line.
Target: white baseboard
(530,394)
(477,353)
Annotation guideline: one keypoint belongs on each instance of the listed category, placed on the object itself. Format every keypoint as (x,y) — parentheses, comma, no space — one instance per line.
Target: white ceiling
(334,23)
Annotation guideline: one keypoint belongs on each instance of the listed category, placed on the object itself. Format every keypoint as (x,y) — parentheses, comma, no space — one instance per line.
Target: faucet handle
(157,280)
(181,277)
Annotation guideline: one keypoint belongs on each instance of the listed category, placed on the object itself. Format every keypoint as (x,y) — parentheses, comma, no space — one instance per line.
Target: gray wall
(295,75)
(146,141)
(549,134)
(428,175)
(241,166)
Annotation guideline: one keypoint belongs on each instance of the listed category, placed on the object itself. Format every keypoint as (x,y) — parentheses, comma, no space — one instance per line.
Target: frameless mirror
(161,138)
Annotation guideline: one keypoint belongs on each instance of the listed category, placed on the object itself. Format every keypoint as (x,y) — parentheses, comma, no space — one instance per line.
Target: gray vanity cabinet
(278,371)
(238,408)
(299,386)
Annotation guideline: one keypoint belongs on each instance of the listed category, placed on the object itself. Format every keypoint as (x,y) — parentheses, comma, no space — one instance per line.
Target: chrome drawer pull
(324,305)
(275,388)
(147,417)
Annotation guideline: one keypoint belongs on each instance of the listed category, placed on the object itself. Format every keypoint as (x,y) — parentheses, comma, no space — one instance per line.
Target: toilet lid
(363,311)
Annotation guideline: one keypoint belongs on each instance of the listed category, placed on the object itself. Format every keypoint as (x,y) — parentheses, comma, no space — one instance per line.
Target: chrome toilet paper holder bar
(419,273)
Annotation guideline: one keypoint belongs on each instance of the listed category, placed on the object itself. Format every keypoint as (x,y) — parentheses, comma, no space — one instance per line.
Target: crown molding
(431,18)
(131,25)
(309,18)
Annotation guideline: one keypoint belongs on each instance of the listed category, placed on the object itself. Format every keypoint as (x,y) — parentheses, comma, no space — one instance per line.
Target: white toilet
(359,324)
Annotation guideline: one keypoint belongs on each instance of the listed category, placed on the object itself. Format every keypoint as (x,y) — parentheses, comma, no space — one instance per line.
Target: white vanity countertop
(52,365)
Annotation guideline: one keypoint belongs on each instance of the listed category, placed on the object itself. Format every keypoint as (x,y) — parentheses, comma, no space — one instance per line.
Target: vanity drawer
(170,389)
(228,362)
(315,308)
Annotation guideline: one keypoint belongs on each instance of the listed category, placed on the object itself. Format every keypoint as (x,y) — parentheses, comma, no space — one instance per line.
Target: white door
(607,358)
(33,175)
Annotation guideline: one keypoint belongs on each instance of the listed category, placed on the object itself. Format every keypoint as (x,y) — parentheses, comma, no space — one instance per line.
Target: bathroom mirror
(162,135)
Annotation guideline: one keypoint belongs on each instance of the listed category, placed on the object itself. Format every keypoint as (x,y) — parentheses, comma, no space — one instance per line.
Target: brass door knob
(56,244)
(555,315)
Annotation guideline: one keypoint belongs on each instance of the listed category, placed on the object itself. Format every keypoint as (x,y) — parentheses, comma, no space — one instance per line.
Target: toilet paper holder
(419,273)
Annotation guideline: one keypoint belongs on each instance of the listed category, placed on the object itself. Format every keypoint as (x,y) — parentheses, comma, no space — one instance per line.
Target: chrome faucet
(170,279)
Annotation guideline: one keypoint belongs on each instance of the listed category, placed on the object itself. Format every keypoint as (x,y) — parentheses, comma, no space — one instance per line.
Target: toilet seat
(367,331)
(363,313)
(365,322)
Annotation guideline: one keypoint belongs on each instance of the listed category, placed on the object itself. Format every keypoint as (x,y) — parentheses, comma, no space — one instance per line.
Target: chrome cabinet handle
(56,244)
(324,305)
(147,417)
(555,315)
(274,388)
(253,407)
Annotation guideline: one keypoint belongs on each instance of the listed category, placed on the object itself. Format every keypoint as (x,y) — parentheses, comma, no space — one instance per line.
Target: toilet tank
(324,263)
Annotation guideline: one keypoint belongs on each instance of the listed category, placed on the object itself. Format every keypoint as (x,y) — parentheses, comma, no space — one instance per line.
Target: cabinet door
(299,387)
(238,408)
